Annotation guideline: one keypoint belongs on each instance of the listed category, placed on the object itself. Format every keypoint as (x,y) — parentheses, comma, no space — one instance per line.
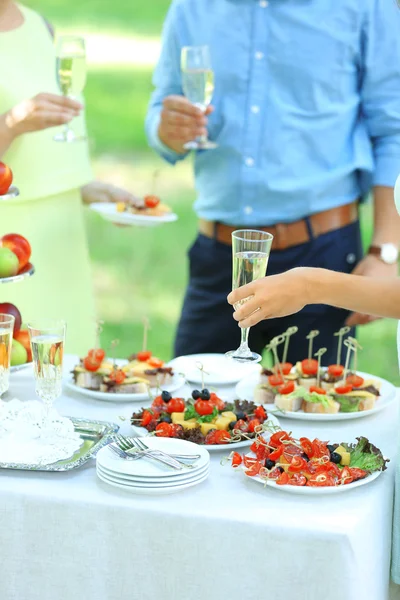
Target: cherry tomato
(275,380)
(357,473)
(97,354)
(297,464)
(118,376)
(147,418)
(260,413)
(176,405)
(151,201)
(253,425)
(222,437)
(309,366)
(236,460)
(297,479)
(163,430)
(203,407)
(17,244)
(346,476)
(6,178)
(354,380)
(335,370)
(307,446)
(317,390)
(176,429)
(241,426)
(320,480)
(283,479)
(333,470)
(159,405)
(253,470)
(285,368)
(216,401)
(260,449)
(249,461)
(144,355)
(210,437)
(277,453)
(277,438)
(286,388)
(320,449)
(90,364)
(155,363)
(343,389)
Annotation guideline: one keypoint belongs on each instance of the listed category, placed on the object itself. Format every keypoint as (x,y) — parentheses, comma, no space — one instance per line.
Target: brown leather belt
(287,235)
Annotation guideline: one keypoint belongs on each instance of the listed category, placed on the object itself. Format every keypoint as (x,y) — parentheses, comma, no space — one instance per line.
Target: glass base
(69,136)
(243,357)
(200,145)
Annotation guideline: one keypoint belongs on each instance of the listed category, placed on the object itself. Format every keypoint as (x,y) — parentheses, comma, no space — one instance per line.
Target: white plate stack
(147,476)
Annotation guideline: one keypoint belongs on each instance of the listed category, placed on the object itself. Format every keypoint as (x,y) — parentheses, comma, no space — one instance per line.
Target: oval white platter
(245,391)
(178,381)
(108,211)
(316,491)
(141,432)
(218,369)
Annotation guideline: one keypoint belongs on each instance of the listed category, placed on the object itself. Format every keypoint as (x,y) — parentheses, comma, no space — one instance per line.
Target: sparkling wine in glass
(198,86)
(47,342)
(71,76)
(6,335)
(250,254)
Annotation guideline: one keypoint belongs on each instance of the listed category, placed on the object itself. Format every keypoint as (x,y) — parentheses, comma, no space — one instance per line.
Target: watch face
(389,253)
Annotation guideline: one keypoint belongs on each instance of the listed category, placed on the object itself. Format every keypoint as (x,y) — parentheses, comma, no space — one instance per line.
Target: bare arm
(282,295)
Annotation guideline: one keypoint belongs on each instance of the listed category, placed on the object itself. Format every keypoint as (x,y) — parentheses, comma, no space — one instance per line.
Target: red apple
(19,245)
(6,178)
(10,309)
(23,338)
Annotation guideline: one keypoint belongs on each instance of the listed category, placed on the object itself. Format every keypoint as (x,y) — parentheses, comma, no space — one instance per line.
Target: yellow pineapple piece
(206,427)
(120,206)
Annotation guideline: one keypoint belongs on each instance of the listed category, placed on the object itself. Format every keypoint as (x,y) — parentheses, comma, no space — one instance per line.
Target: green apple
(19,355)
(9,264)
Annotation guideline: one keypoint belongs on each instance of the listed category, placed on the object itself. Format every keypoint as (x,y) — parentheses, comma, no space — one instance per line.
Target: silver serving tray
(95,435)
(27,271)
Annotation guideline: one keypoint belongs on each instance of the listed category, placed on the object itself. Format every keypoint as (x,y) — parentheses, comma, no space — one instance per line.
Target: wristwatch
(388,253)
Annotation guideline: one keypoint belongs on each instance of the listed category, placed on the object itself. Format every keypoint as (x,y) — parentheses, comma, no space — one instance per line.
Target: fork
(132,443)
(122,454)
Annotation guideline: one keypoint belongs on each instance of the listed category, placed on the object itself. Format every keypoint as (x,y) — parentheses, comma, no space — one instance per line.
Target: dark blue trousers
(206,323)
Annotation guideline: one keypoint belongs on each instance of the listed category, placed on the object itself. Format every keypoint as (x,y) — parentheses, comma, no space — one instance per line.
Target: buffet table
(68,535)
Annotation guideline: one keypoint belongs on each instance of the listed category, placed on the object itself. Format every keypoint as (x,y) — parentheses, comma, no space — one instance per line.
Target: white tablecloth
(66,536)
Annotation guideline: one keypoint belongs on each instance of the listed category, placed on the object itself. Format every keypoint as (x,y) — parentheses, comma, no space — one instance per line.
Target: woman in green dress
(54,179)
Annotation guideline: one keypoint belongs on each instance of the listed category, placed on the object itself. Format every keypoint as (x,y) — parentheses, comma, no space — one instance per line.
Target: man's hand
(40,112)
(371,266)
(181,122)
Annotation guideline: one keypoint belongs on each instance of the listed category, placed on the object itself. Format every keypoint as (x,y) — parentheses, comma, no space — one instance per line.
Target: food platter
(108,211)
(245,390)
(26,272)
(218,369)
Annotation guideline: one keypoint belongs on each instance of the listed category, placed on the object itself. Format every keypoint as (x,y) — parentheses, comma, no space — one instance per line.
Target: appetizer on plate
(286,460)
(149,206)
(203,419)
(150,368)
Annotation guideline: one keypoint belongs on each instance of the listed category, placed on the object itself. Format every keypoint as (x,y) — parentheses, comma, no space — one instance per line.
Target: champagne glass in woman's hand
(198,86)
(71,76)
(250,254)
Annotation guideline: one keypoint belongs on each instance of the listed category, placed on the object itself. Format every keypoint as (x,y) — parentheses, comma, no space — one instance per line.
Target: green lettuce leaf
(311,396)
(348,404)
(365,455)
(191,413)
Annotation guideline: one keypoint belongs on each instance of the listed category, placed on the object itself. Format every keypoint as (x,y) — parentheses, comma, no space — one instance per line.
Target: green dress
(49,210)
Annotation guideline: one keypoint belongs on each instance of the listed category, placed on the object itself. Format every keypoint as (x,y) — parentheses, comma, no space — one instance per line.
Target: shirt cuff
(166,152)
(387,169)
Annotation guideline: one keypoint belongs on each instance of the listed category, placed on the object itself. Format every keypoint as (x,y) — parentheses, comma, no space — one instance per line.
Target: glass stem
(244,339)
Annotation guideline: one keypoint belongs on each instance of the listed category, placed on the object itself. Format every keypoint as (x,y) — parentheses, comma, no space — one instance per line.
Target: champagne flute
(47,342)
(198,86)
(71,76)
(250,254)
(6,335)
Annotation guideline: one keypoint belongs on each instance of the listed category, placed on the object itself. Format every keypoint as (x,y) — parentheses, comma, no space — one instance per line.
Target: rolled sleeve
(167,82)
(380,90)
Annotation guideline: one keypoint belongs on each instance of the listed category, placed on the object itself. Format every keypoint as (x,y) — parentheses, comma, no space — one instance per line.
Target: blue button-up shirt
(307,103)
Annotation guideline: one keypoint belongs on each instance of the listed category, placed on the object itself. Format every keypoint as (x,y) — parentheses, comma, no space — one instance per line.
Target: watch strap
(375,250)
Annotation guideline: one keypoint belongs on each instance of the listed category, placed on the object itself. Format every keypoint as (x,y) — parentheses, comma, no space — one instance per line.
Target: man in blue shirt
(306,115)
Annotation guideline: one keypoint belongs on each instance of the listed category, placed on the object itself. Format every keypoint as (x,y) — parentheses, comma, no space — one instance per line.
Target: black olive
(232,424)
(281,469)
(205,394)
(336,457)
(166,396)
(166,419)
(304,455)
(331,448)
(240,416)
(269,464)
(196,394)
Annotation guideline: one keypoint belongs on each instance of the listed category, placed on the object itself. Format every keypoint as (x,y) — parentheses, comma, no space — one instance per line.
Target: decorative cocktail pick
(310,337)
(156,174)
(340,334)
(99,329)
(287,335)
(319,354)
(114,344)
(146,327)
(199,365)
(274,343)
(356,346)
(350,347)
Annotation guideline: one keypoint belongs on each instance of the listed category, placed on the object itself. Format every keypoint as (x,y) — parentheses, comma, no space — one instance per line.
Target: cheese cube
(222,423)
(190,424)
(178,417)
(207,427)
(229,415)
